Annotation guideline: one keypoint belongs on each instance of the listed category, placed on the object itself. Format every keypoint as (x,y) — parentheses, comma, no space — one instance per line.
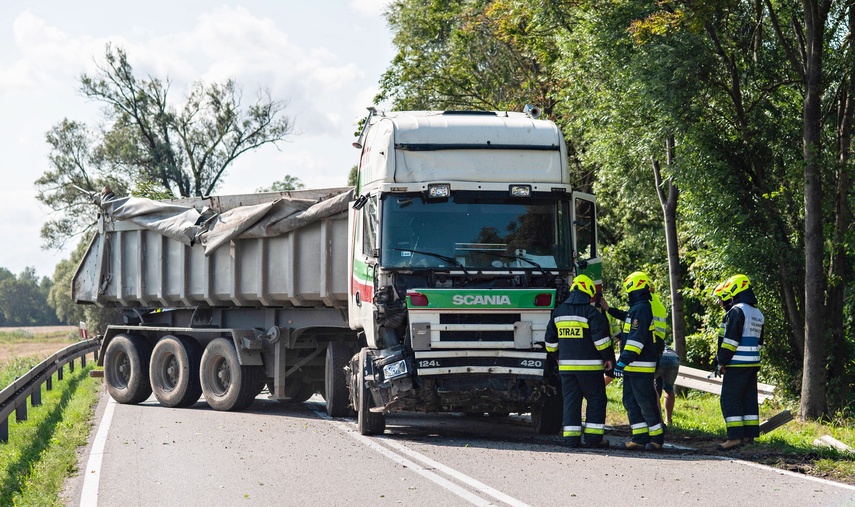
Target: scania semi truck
(427,287)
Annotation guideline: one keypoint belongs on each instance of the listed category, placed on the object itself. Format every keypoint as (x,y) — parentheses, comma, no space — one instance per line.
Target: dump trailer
(428,287)
(222,296)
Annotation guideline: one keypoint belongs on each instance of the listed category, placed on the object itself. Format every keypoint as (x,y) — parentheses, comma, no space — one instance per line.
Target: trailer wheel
(174,371)
(126,363)
(547,415)
(335,379)
(369,423)
(296,391)
(225,383)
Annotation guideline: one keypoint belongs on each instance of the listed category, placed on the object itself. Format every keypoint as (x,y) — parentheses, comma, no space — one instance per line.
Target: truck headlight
(394,370)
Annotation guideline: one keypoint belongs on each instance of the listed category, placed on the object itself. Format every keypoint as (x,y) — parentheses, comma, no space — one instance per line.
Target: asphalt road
(287,454)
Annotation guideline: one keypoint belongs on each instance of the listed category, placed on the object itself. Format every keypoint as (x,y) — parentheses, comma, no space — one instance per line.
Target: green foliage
(725,82)
(23,300)
(16,367)
(285,184)
(353,176)
(700,350)
(149,143)
(470,55)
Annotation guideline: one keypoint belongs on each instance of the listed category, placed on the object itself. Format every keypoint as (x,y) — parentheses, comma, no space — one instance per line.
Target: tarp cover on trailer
(212,228)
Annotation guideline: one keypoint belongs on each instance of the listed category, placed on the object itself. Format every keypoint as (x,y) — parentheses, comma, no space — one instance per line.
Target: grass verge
(698,424)
(42,451)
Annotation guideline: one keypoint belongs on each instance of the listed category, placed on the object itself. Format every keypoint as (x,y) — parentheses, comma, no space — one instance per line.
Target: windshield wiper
(441,257)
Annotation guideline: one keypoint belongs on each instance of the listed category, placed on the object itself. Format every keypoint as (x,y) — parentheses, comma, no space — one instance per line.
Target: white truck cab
(465,233)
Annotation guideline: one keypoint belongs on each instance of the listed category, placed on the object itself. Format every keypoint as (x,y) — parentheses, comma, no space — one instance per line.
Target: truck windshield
(475,231)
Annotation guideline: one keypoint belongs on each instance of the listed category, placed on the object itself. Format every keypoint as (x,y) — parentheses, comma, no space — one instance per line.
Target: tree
(23,300)
(182,149)
(669,194)
(353,176)
(286,183)
(471,55)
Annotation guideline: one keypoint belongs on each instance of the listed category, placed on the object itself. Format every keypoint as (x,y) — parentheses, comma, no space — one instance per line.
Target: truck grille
(474,319)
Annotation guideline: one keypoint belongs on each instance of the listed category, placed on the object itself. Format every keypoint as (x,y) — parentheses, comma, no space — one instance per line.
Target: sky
(323,58)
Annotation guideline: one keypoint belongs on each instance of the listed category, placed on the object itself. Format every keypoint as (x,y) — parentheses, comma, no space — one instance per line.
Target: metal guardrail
(14,397)
(701,380)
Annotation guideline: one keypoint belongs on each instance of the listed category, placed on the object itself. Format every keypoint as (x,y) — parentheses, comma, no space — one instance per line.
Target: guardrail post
(83,361)
(21,409)
(49,382)
(59,372)
(4,430)
(36,396)
(71,366)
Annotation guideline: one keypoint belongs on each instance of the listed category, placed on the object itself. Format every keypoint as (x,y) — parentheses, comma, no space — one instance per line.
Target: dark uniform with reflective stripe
(639,353)
(580,335)
(739,350)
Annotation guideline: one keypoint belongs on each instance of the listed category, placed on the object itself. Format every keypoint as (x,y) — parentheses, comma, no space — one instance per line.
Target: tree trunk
(669,210)
(813,402)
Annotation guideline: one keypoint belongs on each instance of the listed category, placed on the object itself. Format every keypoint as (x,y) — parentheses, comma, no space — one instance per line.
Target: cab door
(364,253)
(584,236)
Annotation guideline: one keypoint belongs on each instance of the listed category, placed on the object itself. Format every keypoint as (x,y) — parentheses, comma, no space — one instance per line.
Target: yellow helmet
(585,284)
(736,284)
(720,293)
(635,281)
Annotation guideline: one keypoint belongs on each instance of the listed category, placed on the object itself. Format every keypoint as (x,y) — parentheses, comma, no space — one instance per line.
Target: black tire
(369,423)
(126,363)
(296,391)
(335,379)
(547,415)
(174,371)
(225,383)
(305,392)
(498,415)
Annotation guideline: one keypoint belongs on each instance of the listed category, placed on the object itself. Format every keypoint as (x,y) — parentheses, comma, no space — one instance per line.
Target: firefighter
(738,360)
(579,333)
(637,365)
(668,362)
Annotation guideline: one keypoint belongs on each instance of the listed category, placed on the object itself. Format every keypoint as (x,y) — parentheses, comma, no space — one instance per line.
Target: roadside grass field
(42,451)
(698,423)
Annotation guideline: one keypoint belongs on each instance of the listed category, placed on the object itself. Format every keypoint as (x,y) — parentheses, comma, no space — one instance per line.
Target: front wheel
(335,379)
(126,369)
(369,423)
(547,415)
(225,383)
(174,371)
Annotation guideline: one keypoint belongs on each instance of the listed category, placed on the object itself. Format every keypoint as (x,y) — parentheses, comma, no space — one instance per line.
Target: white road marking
(425,472)
(92,473)
(792,474)
(498,495)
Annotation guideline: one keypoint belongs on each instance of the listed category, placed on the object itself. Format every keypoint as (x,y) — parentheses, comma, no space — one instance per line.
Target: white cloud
(323,61)
(47,56)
